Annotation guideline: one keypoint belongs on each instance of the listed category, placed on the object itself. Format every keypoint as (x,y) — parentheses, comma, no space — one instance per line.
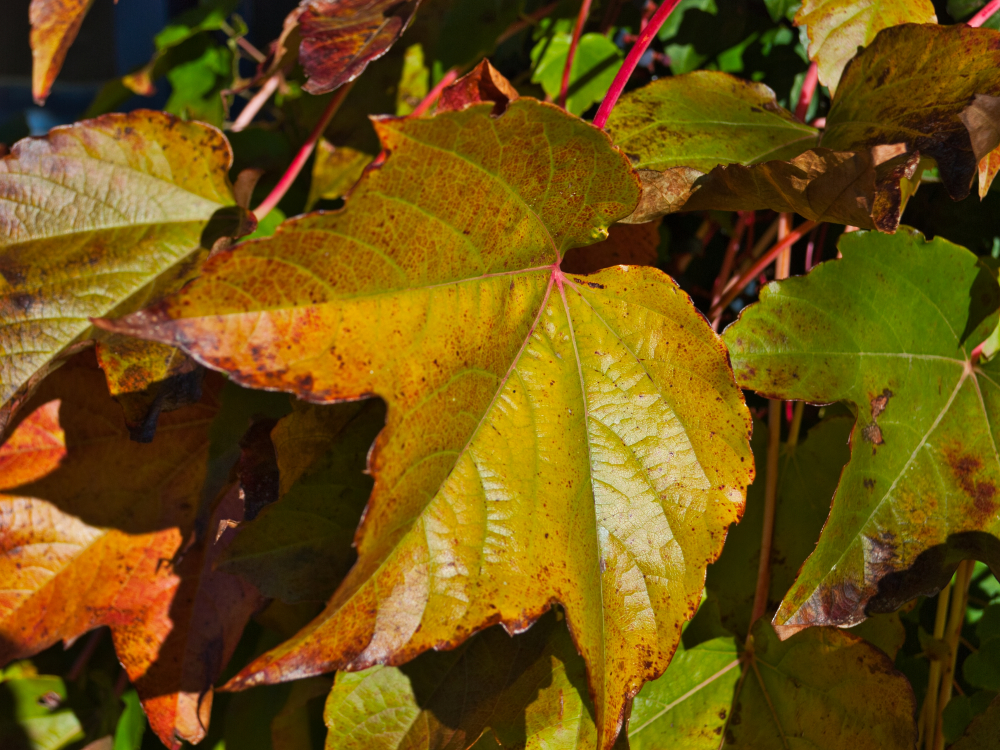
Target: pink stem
(432,96)
(632,61)
(581,19)
(302,156)
(984,13)
(808,89)
(254,105)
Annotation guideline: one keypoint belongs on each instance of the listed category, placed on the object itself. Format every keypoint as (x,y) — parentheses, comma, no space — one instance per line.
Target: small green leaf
(34,710)
(131,724)
(595,64)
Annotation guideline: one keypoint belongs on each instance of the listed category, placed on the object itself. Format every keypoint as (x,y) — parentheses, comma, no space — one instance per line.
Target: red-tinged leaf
(483,84)
(89,523)
(989,165)
(54,26)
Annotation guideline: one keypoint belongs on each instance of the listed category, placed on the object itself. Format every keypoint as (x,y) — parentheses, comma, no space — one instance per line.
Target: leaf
(131,724)
(340,37)
(88,527)
(54,26)
(290,729)
(482,84)
(490,359)
(92,214)
(889,329)
(35,717)
(627,244)
(838,27)
(300,548)
(982,732)
(703,119)
(930,87)
(529,691)
(822,688)
(197,84)
(989,165)
(335,171)
(595,65)
(414,81)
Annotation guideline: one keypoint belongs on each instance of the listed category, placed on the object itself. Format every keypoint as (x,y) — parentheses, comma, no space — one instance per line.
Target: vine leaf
(90,522)
(439,288)
(890,329)
(92,215)
(837,28)
(823,688)
(932,88)
(596,61)
(703,119)
(54,26)
(493,691)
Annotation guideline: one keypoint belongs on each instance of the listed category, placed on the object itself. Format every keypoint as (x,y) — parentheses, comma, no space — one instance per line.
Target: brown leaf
(627,245)
(663,193)
(483,84)
(54,26)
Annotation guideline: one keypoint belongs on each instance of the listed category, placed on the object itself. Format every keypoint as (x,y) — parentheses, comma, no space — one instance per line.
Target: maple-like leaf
(54,26)
(837,28)
(889,329)
(548,438)
(88,525)
(90,217)
(931,88)
(823,688)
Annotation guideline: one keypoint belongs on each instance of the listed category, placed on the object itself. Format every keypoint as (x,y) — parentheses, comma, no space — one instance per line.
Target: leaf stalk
(808,89)
(770,501)
(984,14)
(953,632)
(581,20)
(435,93)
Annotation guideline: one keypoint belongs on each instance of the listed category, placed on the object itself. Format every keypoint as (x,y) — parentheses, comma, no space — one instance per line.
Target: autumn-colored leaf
(439,288)
(932,88)
(495,691)
(823,688)
(703,119)
(838,27)
(91,215)
(54,26)
(88,526)
(989,165)
(482,84)
(890,329)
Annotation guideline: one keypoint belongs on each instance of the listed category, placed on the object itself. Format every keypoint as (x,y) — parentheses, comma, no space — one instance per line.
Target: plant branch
(984,14)
(254,105)
(632,61)
(581,20)
(763,262)
(953,632)
(434,94)
(727,262)
(808,89)
(303,155)
(928,714)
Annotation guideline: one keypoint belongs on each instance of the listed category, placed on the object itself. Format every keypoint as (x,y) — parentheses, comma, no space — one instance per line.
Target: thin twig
(984,14)
(770,501)
(632,60)
(806,94)
(928,715)
(432,96)
(581,20)
(956,617)
(525,21)
(796,426)
(256,103)
(727,263)
(303,155)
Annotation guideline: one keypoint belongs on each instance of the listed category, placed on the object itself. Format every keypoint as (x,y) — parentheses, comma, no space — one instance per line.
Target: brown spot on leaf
(880,402)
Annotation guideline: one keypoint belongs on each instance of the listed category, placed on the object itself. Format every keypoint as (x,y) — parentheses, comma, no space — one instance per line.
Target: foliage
(456,456)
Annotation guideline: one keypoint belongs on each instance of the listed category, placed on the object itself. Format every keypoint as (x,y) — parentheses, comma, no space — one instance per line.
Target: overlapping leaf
(596,61)
(838,27)
(88,526)
(90,216)
(890,329)
(54,26)
(548,438)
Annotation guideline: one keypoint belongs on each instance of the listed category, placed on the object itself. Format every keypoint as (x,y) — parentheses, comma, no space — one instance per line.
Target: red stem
(581,20)
(632,61)
(302,156)
(984,13)
(808,89)
(435,93)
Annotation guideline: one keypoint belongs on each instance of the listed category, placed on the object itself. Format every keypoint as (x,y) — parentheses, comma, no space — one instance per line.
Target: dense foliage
(505,374)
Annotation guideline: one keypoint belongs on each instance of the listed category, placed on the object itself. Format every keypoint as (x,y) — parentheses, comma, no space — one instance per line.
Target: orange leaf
(54,26)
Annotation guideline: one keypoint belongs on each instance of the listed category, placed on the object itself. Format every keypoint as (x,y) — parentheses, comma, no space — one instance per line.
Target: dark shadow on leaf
(984,300)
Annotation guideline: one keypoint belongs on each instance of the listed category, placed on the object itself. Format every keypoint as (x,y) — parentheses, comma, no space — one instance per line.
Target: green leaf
(92,215)
(414,81)
(932,88)
(131,724)
(529,691)
(704,119)
(439,288)
(34,717)
(838,27)
(197,85)
(982,733)
(595,64)
(672,25)
(889,329)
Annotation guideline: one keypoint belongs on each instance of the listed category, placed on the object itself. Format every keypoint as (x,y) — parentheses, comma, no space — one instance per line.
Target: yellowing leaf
(90,215)
(838,27)
(336,169)
(548,438)
(890,329)
(54,26)
(989,165)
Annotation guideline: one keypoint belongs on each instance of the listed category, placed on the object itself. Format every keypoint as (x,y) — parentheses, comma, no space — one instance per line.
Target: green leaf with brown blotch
(889,329)
(90,217)
(494,691)
(932,88)
(823,688)
(837,28)
(703,119)
(54,26)
(299,548)
(549,438)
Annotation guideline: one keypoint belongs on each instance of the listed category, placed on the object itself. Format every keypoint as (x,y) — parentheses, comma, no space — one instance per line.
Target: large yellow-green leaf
(89,216)
(932,88)
(889,329)
(548,438)
(704,119)
(838,27)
